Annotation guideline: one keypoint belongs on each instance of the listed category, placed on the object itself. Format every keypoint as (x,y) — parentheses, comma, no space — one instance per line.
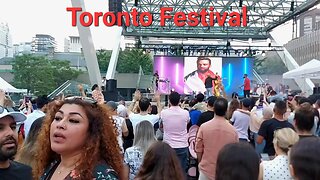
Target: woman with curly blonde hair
(77,141)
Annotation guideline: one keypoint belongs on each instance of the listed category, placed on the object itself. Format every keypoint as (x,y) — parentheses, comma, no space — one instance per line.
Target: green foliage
(103,57)
(40,75)
(265,65)
(129,61)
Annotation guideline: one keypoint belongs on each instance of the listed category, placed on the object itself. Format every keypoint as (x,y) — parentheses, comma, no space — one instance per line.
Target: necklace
(59,172)
(67,169)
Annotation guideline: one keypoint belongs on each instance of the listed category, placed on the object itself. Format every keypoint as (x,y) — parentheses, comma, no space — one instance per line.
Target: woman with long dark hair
(160,163)
(78,141)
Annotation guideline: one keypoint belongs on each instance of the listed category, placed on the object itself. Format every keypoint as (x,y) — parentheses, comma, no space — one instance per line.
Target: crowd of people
(80,137)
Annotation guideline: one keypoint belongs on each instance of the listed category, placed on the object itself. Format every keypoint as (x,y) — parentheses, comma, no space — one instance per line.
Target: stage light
(263,53)
(240,3)
(225,52)
(245,52)
(139,44)
(228,43)
(254,52)
(206,51)
(269,42)
(292,6)
(250,41)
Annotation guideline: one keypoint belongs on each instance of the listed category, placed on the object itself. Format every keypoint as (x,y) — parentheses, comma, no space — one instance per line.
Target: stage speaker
(111,85)
(315,90)
(115,6)
(111,96)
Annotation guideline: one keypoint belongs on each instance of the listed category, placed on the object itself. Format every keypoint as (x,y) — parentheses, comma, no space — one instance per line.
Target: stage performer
(217,85)
(246,86)
(156,80)
(195,81)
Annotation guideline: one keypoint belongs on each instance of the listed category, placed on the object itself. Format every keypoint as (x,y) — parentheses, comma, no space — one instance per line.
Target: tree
(40,75)
(63,72)
(129,61)
(103,57)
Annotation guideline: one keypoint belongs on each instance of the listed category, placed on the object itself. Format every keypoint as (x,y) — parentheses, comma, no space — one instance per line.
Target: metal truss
(204,49)
(263,16)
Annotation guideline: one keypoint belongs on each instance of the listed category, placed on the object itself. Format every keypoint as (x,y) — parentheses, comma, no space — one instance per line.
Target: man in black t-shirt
(268,127)
(209,114)
(11,170)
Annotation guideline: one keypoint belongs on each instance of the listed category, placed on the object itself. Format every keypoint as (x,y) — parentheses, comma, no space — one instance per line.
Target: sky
(27,18)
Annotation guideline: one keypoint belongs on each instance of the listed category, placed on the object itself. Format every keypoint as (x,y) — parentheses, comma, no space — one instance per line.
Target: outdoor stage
(175,71)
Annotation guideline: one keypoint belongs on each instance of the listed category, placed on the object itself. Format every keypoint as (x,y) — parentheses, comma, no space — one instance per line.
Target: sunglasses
(7,109)
(85,99)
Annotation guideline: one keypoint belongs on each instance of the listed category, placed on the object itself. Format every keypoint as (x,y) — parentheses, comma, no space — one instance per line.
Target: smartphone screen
(26,99)
(290,98)
(265,157)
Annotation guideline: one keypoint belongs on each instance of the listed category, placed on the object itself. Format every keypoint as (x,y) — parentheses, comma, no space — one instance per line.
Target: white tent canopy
(310,70)
(9,88)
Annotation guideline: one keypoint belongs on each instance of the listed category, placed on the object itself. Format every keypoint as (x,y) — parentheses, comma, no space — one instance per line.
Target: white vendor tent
(9,88)
(310,70)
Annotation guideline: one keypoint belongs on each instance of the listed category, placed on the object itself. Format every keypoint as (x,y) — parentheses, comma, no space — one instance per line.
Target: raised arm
(157,98)
(81,90)
(136,98)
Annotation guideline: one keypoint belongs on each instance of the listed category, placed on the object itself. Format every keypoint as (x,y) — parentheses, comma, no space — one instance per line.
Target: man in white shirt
(41,102)
(241,120)
(144,106)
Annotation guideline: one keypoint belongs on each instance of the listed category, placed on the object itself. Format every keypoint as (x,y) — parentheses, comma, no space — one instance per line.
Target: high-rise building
(6,49)
(306,47)
(22,48)
(309,21)
(72,44)
(44,43)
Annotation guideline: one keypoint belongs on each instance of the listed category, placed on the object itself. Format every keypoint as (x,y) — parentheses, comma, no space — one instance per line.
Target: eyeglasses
(85,99)
(7,109)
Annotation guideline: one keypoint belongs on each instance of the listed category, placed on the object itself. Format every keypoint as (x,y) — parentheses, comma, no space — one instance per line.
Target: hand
(221,87)
(80,87)
(2,97)
(29,105)
(2,94)
(257,102)
(137,95)
(157,97)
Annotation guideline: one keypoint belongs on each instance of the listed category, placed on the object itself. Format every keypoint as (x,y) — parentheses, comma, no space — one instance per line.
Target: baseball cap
(112,105)
(17,116)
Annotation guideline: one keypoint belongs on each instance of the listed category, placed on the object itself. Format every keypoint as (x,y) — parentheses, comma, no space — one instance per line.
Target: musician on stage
(156,80)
